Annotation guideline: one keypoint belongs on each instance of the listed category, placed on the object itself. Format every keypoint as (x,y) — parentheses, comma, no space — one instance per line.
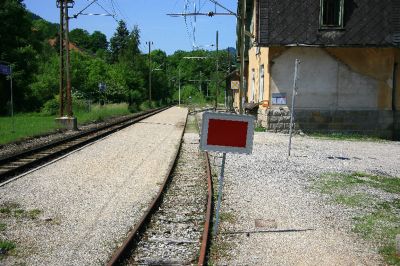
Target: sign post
(226,133)
(7,70)
(296,71)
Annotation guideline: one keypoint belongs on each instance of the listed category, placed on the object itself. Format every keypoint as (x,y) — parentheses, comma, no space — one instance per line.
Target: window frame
(341,17)
(261,83)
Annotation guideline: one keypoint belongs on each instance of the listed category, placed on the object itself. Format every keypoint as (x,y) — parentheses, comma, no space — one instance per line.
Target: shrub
(50,107)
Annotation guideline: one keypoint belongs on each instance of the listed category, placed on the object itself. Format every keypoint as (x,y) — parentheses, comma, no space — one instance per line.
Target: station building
(349,73)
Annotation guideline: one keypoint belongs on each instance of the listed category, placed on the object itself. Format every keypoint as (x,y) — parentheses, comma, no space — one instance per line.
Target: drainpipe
(396,129)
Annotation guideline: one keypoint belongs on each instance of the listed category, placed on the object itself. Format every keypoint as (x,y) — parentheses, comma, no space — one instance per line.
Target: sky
(167,33)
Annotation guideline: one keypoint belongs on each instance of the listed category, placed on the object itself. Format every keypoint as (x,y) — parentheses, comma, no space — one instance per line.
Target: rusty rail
(134,235)
(207,224)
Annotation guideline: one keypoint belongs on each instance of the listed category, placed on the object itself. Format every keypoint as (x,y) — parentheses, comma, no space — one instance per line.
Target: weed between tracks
(12,210)
(376,198)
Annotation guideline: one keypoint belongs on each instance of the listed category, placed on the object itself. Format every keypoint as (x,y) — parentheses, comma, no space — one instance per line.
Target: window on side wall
(261,84)
(253,80)
(331,14)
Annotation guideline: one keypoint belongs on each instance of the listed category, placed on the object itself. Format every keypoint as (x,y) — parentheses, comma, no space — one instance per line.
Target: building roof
(365,23)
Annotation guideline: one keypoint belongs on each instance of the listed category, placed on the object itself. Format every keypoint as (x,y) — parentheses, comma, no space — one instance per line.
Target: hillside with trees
(30,44)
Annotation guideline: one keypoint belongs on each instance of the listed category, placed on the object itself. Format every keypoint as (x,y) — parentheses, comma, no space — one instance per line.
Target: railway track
(175,228)
(21,162)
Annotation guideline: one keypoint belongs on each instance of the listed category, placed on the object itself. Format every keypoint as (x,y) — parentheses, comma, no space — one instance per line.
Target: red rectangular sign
(227,133)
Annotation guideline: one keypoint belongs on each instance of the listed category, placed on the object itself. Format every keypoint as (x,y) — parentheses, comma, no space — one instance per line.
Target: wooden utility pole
(150,70)
(68,90)
(242,51)
(61,37)
(216,79)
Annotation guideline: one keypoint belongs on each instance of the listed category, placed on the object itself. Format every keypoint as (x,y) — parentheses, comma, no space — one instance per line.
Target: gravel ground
(276,190)
(86,203)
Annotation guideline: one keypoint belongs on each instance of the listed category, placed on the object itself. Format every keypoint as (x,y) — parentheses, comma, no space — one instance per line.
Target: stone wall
(396,134)
(376,123)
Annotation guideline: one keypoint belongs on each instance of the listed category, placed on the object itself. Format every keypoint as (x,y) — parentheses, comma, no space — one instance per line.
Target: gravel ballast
(88,201)
(278,192)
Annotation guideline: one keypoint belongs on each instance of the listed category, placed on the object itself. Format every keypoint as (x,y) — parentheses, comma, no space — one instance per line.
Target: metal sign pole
(220,186)
(12,101)
(296,68)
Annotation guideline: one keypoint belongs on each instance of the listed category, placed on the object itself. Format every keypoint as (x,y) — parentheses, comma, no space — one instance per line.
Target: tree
(18,47)
(98,41)
(80,38)
(119,41)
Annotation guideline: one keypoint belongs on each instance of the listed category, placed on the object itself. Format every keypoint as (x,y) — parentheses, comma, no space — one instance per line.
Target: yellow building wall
(257,58)
(377,63)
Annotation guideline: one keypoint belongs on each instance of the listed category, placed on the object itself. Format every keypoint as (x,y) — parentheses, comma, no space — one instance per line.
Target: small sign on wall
(235,85)
(279,98)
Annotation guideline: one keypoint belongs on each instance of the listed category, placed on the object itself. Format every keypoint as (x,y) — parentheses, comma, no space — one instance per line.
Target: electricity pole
(242,51)
(216,79)
(150,70)
(61,6)
(179,78)
(69,99)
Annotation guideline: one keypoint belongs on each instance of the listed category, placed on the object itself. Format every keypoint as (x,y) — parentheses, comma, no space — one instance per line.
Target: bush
(133,108)
(144,106)
(50,107)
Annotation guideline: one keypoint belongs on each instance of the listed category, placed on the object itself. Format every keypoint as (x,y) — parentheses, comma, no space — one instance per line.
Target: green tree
(17,46)
(98,41)
(119,41)
(80,38)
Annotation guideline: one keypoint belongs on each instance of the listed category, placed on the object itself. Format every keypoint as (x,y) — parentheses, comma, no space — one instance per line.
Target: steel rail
(207,225)
(133,238)
(20,162)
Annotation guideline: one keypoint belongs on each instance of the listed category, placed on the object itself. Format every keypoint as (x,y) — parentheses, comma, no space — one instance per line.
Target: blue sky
(167,33)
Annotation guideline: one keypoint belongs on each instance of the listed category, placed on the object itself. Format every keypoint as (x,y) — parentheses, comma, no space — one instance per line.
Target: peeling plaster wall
(340,89)
(327,83)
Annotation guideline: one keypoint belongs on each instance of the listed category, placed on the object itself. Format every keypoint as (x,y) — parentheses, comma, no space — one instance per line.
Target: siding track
(175,228)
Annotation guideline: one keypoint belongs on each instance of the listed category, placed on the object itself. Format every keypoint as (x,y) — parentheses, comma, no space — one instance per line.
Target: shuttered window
(331,13)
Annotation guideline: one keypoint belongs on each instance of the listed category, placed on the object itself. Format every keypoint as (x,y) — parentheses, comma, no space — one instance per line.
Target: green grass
(26,125)
(100,113)
(259,128)
(358,199)
(11,209)
(379,219)
(5,247)
(191,124)
(3,227)
(345,136)
(34,124)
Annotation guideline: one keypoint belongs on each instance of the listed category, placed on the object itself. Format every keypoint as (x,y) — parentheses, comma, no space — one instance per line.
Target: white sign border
(224,116)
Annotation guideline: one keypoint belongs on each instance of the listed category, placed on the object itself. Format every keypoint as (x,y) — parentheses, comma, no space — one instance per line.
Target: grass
(191,124)
(227,217)
(358,199)
(3,227)
(34,124)
(100,113)
(345,136)
(259,128)
(6,246)
(379,219)
(11,209)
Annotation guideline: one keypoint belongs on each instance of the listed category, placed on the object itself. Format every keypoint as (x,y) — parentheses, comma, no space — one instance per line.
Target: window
(261,84)
(331,14)
(253,80)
